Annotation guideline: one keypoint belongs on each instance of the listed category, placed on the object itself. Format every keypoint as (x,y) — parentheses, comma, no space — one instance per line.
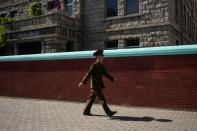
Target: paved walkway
(43,115)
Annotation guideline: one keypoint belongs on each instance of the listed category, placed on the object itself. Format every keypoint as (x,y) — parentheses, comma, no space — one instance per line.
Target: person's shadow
(143,119)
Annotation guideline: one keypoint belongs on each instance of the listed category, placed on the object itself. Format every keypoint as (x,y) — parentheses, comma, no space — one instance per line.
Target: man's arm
(88,74)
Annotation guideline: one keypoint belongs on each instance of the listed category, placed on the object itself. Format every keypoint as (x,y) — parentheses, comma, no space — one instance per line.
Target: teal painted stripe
(152,51)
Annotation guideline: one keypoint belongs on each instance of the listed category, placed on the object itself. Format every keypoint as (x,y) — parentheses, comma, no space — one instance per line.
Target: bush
(2,30)
(34,9)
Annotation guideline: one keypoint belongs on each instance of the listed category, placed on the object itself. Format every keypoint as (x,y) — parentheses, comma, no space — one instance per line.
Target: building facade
(71,25)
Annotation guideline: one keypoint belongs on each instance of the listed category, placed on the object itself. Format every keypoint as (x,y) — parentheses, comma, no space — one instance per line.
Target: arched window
(112,8)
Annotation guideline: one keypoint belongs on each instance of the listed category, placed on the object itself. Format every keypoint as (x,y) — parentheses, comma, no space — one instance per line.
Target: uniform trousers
(91,98)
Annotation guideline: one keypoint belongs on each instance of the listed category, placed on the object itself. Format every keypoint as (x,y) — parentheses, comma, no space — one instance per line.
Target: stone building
(55,30)
(98,24)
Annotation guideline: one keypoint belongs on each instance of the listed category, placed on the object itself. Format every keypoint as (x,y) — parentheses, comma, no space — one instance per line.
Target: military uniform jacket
(95,73)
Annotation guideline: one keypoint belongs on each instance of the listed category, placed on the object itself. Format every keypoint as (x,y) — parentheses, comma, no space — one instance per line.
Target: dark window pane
(132,6)
(196,33)
(69,10)
(7,49)
(69,1)
(69,7)
(132,42)
(2,15)
(112,7)
(176,8)
(177,42)
(184,17)
(69,46)
(51,5)
(13,14)
(29,48)
(112,44)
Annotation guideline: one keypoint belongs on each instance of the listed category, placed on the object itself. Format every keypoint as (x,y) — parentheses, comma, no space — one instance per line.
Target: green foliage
(6,20)
(2,36)
(2,30)
(34,9)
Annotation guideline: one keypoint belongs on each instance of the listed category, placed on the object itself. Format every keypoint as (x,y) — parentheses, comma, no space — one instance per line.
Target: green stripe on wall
(151,51)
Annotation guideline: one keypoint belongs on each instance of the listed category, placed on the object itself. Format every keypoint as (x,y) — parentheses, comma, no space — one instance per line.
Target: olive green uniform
(95,73)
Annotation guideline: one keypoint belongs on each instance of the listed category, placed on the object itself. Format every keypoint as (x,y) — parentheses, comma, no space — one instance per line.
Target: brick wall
(159,81)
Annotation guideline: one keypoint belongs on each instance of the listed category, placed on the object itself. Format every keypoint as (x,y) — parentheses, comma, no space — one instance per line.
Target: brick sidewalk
(43,115)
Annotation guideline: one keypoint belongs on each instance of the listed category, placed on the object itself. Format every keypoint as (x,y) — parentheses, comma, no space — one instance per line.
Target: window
(69,46)
(132,42)
(69,7)
(2,15)
(187,22)
(112,44)
(190,22)
(196,33)
(184,17)
(7,49)
(177,42)
(13,14)
(112,8)
(132,6)
(51,5)
(29,48)
(193,27)
(176,8)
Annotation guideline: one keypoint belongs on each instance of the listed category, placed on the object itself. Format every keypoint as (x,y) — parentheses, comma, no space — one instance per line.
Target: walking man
(95,73)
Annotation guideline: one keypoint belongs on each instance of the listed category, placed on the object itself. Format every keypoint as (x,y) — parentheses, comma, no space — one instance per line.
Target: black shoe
(87,114)
(111,113)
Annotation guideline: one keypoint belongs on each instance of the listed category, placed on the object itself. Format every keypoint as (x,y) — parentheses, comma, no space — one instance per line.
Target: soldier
(95,73)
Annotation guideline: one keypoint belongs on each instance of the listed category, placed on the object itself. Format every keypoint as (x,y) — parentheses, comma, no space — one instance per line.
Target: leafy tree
(34,9)
(2,30)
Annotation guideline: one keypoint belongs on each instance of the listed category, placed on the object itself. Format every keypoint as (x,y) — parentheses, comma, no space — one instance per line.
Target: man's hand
(81,84)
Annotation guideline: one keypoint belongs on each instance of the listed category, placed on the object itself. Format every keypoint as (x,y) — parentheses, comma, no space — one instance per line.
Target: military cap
(98,52)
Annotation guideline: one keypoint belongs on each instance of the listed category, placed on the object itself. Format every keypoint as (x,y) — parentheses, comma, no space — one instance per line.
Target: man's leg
(102,100)
(89,102)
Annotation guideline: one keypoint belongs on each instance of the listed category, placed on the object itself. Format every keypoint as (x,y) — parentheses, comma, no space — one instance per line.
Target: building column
(10,49)
(121,43)
(121,7)
(77,9)
(15,49)
(43,44)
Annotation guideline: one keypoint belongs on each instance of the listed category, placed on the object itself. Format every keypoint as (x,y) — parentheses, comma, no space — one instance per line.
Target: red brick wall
(157,81)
